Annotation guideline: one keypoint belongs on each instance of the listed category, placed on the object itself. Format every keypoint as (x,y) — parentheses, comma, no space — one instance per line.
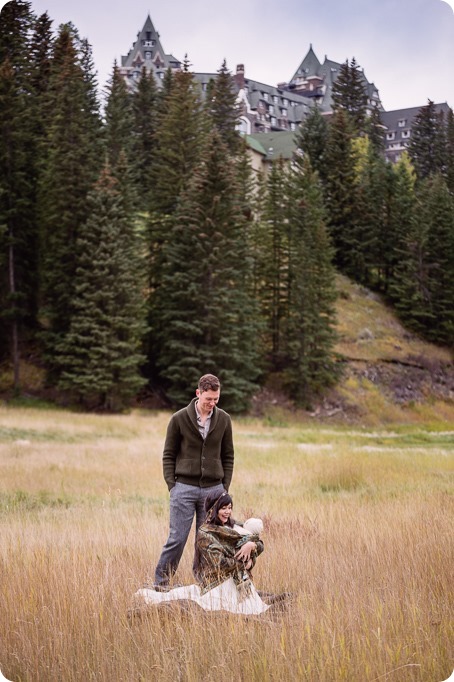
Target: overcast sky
(406,47)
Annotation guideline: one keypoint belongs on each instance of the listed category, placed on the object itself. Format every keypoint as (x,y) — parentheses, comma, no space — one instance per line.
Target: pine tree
(100,354)
(450,151)
(311,138)
(440,143)
(207,318)
(371,234)
(272,249)
(401,207)
(209,95)
(144,106)
(425,142)
(246,179)
(71,165)
(383,232)
(374,129)
(439,208)
(164,95)
(423,287)
(90,86)
(257,230)
(118,119)
(311,321)
(179,139)
(40,72)
(118,133)
(222,108)
(41,55)
(17,216)
(341,193)
(349,93)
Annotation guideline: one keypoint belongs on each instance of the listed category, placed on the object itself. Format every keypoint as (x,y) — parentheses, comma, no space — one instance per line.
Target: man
(197,460)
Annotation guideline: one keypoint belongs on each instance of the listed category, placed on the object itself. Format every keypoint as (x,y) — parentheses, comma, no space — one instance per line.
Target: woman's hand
(244,553)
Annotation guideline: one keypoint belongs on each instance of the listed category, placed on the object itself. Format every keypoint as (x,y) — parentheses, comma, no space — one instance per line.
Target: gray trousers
(185,502)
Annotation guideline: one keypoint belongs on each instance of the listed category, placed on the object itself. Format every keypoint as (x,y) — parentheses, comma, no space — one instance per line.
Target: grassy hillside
(390,374)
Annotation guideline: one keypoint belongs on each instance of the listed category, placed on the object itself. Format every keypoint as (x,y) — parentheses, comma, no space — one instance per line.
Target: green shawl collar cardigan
(188,458)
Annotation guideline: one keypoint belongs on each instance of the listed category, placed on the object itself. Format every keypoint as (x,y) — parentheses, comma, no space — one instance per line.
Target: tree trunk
(14,326)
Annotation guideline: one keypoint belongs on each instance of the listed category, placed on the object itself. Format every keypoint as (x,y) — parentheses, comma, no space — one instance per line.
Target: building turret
(147,52)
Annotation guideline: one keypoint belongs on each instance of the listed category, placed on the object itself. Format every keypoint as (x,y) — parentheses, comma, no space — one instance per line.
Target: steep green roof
(255,144)
(279,144)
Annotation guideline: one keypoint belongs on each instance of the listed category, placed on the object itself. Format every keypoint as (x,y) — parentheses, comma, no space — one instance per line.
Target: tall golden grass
(358,527)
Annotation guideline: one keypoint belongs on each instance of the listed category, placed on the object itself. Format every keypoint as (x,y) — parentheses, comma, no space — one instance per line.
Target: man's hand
(244,553)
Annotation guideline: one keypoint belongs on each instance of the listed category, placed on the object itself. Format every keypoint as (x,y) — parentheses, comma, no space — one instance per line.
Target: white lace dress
(224,597)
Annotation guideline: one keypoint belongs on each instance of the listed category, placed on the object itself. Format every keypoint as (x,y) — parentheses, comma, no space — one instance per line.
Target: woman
(224,558)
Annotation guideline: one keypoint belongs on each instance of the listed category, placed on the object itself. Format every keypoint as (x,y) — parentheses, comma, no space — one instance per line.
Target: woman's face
(224,513)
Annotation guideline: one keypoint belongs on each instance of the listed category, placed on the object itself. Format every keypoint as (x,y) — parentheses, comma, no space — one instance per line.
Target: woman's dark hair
(213,503)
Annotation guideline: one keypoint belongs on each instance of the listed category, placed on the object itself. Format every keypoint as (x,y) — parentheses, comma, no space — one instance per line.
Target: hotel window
(265,96)
(390,136)
(402,122)
(147,55)
(405,133)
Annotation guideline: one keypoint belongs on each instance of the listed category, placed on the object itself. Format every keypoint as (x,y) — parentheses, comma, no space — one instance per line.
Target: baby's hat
(250,527)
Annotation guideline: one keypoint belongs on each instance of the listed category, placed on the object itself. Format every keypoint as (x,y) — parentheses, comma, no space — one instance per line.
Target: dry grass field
(358,527)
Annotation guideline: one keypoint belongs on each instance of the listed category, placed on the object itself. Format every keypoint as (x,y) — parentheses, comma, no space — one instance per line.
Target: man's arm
(227,455)
(170,452)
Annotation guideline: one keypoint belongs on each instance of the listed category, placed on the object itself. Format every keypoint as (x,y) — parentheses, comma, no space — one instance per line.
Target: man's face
(207,400)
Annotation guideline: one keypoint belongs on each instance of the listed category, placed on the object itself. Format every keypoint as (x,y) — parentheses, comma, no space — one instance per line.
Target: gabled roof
(328,72)
(147,51)
(391,118)
(309,66)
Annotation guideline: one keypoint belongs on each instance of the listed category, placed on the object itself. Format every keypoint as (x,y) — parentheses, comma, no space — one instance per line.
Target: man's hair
(209,383)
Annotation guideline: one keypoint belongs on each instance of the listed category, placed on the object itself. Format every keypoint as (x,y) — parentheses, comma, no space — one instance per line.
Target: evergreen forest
(139,250)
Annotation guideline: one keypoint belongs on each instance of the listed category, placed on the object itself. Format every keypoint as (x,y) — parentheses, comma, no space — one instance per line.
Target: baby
(249,527)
